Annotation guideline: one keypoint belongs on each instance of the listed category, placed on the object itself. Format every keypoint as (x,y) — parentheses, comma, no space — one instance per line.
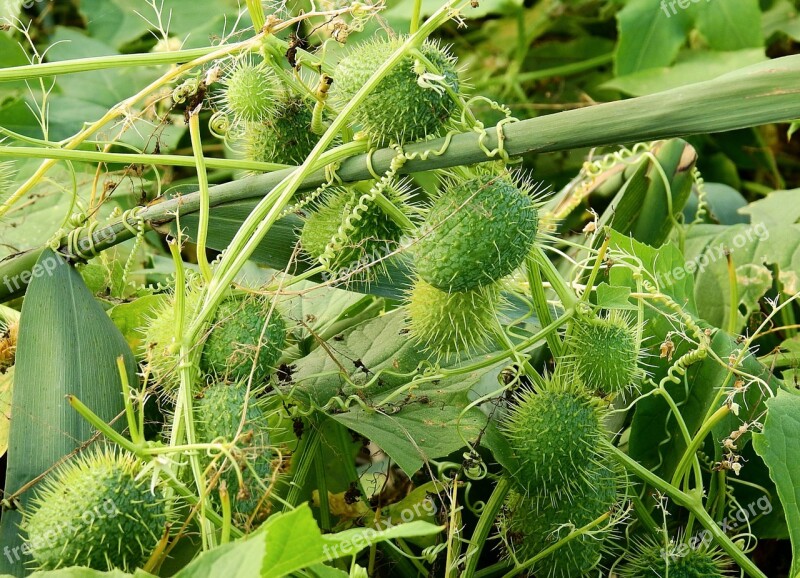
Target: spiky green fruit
(234,343)
(410,103)
(228,414)
(92,511)
(535,523)
(651,559)
(605,352)
(251,91)
(452,324)
(556,431)
(284,138)
(247,335)
(349,231)
(477,231)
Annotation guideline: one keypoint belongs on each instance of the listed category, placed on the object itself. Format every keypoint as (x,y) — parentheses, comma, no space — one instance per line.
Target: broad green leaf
(730,25)
(777,445)
(649,37)
(289,542)
(772,238)
(690,67)
(411,428)
(723,202)
(67,345)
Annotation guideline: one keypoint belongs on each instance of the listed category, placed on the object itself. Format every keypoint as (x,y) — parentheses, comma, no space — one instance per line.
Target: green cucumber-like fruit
(93,511)
(220,416)
(652,559)
(556,431)
(234,340)
(285,137)
(408,104)
(452,324)
(350,232)
(534,523)
(251,91)
(477,231)
(605,352)
(247,331)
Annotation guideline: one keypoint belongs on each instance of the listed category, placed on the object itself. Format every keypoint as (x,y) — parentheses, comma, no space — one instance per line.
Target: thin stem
(133,159)
(485,525)
(416,13)
(202,187)
(697,441)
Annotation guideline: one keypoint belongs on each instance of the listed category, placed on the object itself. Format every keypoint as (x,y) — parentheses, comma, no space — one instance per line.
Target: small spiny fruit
(350,232)
(93,511)
(452,324)
(605,352)
(284,137)
(234,339)
(535,523)
(410,103)
(235,343)
(251,91)
(478,231)
(556,431)
(219,417)
(653,559)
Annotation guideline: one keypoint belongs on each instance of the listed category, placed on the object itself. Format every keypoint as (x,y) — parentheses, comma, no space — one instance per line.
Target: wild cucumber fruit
(251,91)
(284,137)
(350,231)
(93,511)
(651,559)
(410,103)
(556,431)
(477,231)
(233,345)
(605,352)
(534,523)
(220,416)
(247,331)
(451,324)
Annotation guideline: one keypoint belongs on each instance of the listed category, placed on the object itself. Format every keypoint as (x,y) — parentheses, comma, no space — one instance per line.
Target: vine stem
(692,448)
(694,505)
(484,526)
(202,187)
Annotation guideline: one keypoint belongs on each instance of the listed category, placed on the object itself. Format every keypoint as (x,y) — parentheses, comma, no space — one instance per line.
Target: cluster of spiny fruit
(477,229)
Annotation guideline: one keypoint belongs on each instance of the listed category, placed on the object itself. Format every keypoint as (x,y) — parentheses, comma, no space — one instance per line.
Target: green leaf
(289,542)
(410,429)
(67,345)
(771,239)
(730,25)
(691,67)
(648,36)
(777,444)
(609,297)
(78,572)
